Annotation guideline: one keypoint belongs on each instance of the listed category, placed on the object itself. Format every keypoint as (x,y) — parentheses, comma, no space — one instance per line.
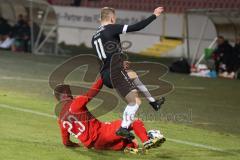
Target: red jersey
(75,119)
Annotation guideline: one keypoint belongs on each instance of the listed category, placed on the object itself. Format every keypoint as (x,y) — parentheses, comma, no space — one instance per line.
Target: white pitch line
(46,80)
(27,111)
(196,145)
(23,79)
(169,139)
(190,88)
(33,79)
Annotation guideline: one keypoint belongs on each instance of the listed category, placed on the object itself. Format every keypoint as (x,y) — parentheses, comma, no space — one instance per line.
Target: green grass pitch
(210,130)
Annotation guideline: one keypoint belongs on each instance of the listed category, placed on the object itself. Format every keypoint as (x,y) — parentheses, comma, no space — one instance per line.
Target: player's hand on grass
(126,65)
(72,144)
(158,11)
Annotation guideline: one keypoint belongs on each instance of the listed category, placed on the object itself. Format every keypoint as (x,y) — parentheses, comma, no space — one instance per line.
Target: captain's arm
(122,29)
(140,25)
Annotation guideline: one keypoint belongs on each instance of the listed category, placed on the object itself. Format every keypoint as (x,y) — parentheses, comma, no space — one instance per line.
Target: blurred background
(201,37)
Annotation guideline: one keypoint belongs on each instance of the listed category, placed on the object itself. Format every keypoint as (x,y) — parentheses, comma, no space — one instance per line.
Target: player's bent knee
(132,74)
(138,101)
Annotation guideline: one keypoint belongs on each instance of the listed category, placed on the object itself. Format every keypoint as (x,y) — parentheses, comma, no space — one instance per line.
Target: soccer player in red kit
(75,119)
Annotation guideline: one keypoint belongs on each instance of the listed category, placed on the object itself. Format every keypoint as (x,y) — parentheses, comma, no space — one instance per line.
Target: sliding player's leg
(125,145)
(108,140)
(156,104)
(141,132)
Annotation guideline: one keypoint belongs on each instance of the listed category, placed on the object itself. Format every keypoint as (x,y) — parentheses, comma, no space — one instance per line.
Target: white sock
(143,89)
(128,115)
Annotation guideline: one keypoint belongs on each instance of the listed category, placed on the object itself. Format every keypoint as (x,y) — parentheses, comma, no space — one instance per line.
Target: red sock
(140,130)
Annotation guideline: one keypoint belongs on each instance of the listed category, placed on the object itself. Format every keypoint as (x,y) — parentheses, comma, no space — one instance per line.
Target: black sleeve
(117,29)
(122,29)
(142,24)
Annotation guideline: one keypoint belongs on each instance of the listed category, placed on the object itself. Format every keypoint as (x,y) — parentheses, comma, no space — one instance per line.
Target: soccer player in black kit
(114,71)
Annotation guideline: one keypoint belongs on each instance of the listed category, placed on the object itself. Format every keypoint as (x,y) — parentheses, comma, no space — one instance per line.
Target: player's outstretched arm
(79,102)
(93,91)
(142,24)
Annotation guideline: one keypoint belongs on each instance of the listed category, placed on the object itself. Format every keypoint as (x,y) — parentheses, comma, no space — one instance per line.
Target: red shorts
(107,138)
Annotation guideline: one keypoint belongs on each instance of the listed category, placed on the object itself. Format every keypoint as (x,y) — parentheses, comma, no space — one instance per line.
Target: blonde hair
(106,13)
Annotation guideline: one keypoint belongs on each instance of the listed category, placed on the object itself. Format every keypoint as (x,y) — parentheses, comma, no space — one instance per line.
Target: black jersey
(106,41)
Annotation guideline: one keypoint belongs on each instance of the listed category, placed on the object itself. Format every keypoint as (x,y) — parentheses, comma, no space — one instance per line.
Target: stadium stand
(162,47)
(174,6)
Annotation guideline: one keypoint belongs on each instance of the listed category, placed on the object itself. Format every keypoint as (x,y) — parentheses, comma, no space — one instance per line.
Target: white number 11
(101,53)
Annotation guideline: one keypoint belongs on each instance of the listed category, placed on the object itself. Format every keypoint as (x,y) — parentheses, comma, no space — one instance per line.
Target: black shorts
(107,78)
(116,77)
(118,80)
